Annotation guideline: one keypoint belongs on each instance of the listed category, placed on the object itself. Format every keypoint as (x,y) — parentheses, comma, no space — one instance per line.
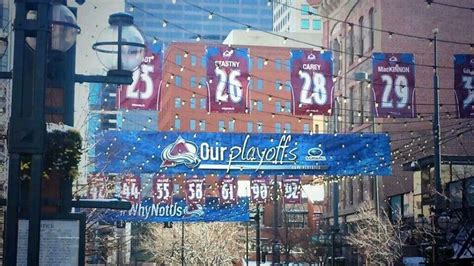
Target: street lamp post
(41,26)
(436,127)
(275,241)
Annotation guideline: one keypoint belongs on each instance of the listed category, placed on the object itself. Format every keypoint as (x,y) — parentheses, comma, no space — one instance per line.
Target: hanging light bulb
(165,23)
(131,8)
(198,38)
(210,15)
(186,54)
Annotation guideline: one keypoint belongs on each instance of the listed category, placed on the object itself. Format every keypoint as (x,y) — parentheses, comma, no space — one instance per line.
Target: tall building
(295,16)
(387,26)
(256,13)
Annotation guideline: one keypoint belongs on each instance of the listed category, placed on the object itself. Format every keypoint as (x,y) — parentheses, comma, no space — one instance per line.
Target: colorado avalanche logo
(228,53)
(180,152)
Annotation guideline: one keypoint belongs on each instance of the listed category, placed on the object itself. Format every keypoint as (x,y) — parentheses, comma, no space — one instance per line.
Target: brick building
(411,139)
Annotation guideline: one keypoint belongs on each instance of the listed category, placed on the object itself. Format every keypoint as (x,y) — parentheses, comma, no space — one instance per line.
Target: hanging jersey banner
(162,189)
(131,187)
(393,83)
(96,186)
(144,92)
(259,189)
(311,82)
(292,189)
(239,153)
(195,190)
(464,84)
(228,190)
(227,79)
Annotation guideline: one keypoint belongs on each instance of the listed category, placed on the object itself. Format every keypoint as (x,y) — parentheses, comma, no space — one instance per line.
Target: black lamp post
(41,26)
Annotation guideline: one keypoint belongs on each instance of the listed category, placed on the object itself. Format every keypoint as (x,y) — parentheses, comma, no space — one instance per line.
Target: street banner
(131,187)
(96,186)
(311,82)
(180,211)
(393,83)
(292,189)
(144,92)
(464,84)
(195,190)
(227,77)
(228,190)
(162,189)
(242,153)
(259,189)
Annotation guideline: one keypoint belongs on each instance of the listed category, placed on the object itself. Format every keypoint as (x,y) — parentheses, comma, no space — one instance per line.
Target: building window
(277,64)
(361,189)
(277,106)
(259,84)
(361,37)
(316,24)
(232,125)
(193,60)
(202,125)
(277,128)
(306,128)
(178,81)
(350,44)
(360,109)
(192,124)
(221,125)
(260,63)
(288,106)
(278,85)
(304,9)
(287,128)
(202,103)
(177,123)
(259,106)
(203,61)
(250,63)
(178,59)
(192,103)
(396,207)
(249,127)
(352,107)
(177,103)
(287,85)
(192,81)
(304,24)
(288,65)
(371,30)
(336,48)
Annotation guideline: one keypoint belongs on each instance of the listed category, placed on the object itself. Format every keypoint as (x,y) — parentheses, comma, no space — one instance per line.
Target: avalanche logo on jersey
(180,152)
(227,53)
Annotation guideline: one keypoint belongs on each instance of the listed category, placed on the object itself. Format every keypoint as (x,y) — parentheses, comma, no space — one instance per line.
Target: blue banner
(239,153)
(179,211)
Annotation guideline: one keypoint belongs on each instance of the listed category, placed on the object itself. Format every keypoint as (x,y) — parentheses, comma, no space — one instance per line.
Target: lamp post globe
(64,28)
(121,46)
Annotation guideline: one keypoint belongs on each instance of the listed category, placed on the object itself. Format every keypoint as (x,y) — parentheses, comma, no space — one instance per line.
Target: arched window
(361,36)
(371,31)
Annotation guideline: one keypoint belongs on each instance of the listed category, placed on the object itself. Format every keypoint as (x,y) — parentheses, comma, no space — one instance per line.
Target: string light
(165,23)
(210,16)
(198,38)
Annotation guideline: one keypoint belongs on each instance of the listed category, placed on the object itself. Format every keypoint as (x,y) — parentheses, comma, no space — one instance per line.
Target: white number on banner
(162,191)
(235,86)
(142,73)
(195,190)
(130,190)
(468,80)
(401,90)
(260,191)
(317,94)
(227,191)
(291,190)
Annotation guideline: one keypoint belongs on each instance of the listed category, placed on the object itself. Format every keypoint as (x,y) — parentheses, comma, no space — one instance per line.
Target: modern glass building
(256,13)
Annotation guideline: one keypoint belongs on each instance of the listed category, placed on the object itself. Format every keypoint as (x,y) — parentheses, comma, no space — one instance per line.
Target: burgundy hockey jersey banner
(195,190)
(464,84)
(144,92)
(259,189)
(394,85)
(131,188)
(311,82)
(96,186)
(227,79)
(162,189)
(228,190)
(292,189)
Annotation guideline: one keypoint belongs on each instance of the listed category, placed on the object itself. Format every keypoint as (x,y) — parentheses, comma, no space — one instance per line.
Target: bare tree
(376,237)
(204,243)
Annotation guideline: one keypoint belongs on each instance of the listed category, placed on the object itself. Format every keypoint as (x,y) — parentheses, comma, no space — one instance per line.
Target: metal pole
(275,242)
(257,249)
(247,243)
(376,180)
(436,127)
(335,207)
(182,243)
